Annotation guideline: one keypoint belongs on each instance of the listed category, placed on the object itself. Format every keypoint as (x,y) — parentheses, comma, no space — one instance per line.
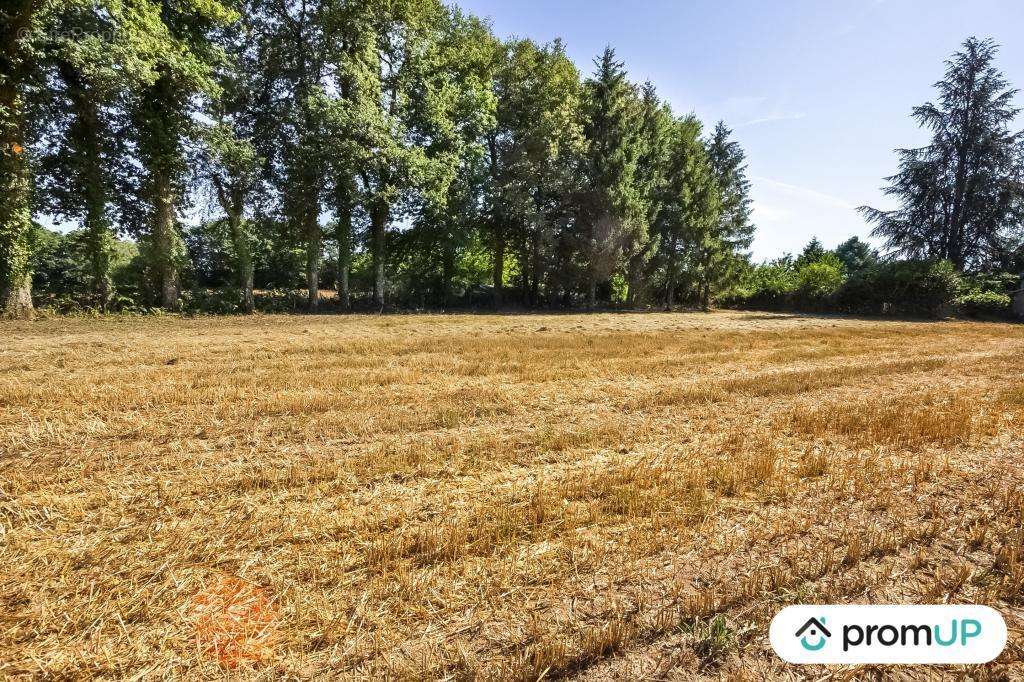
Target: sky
(818,92)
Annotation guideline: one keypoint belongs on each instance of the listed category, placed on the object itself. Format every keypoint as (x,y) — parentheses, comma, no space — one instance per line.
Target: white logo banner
(888,634)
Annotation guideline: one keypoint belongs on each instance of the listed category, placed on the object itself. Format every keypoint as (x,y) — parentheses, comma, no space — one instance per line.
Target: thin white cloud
(788,215)
(807,193)
(794,116)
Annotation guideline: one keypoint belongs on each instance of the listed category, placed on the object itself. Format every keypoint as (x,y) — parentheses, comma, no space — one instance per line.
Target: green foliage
(903,287)
(916,288)
(610,209)
(818,281)
(962,195)
(856,255)
(985,304)
(62,270)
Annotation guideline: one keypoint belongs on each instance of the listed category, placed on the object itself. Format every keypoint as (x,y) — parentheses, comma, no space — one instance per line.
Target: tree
(856,255)
(352,54)
(531,152)
(732,235)
(232,168)
(162,123)
(812,253)
(610,210)
(651,175)
(93,59)
(21,23)
(457,109)
(295,41)
(690,211)
(392,163)
(962,195)
(231,162)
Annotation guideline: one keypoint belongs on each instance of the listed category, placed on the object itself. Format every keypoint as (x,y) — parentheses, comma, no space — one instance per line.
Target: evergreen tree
(856,255)
(690,209)
(531,152)
(962,195)
(727,242)
(812,253)
(610,211)
(651,175)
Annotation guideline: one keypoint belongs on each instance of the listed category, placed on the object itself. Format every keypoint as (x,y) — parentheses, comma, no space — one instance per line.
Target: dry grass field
(609,496)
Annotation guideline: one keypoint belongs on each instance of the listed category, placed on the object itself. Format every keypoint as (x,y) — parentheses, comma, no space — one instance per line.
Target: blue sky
(819,92)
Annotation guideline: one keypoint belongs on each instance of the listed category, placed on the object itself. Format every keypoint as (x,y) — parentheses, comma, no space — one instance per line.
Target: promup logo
(888,634)
(815,632)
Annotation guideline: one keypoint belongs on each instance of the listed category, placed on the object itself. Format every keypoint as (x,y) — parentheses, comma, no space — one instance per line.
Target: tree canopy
(962,195)
(401,154)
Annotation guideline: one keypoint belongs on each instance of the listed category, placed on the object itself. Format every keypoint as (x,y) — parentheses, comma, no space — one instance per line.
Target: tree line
(398,153)
(399,143)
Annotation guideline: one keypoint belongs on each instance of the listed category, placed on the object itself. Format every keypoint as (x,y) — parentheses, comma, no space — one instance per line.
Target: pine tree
(962,195)
(690,208)
(856,255)
(531,152)
(651,175)
(610,209)
(728,161)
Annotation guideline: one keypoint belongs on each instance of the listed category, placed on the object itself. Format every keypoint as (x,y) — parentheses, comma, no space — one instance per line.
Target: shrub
(912,287)
(985,304)
(819,281)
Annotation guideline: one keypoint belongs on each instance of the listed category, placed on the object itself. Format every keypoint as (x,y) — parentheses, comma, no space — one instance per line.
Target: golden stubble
(505,497)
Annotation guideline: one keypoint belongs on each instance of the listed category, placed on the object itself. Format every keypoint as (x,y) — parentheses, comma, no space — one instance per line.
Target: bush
(985,304)
(819,281)
(911,287)
(765,286)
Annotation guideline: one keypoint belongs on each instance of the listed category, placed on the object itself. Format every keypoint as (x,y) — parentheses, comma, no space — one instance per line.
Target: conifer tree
(689,219)
(962,195)
(531,152)
(651,175)
(610,212)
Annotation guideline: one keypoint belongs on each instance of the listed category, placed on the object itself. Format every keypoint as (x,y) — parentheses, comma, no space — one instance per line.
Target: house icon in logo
(816,632)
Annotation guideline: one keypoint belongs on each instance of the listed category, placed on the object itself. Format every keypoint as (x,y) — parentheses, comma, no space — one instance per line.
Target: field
(610,496)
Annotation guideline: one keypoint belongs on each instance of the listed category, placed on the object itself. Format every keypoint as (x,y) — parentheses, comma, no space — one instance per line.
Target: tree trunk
(15,230)
(535,283)
(498,264)
(705,283)
(378,235)
(447,274)
(243,260)
(314,244)
(670,293)
(164,241)
(15,210)
(592,268)
(343,234)
(99,243)
(90,181)
(16,298)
